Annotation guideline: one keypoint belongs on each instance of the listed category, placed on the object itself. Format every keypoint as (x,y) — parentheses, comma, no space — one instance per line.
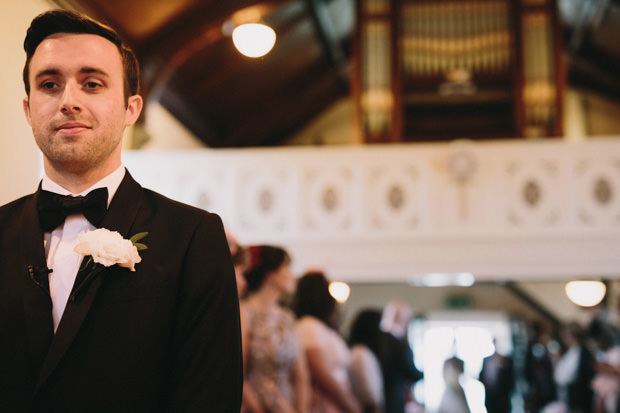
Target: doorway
(468,335)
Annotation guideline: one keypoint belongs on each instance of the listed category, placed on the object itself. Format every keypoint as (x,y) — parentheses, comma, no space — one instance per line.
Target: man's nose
(70,101)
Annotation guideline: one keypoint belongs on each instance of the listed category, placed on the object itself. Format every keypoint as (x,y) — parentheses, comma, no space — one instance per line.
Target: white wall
(19,156)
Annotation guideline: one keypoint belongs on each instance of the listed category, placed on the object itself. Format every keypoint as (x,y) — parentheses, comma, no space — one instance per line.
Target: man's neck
(77,182)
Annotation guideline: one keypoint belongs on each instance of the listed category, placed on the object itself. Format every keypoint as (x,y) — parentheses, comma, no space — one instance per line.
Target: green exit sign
(458,302)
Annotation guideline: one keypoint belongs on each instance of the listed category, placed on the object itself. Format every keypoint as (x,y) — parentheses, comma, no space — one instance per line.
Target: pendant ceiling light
(254,39)
(585,293)
(339,290)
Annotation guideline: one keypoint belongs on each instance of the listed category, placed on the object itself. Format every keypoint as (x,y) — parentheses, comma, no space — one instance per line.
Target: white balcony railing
(500,210)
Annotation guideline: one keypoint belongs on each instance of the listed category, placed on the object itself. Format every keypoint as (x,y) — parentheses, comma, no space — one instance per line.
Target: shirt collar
(112,182)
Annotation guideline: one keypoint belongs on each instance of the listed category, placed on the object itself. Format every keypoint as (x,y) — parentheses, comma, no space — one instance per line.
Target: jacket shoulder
(8,211)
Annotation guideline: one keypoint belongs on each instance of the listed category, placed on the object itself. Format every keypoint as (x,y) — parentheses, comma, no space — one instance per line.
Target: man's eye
(92,85)
(48,85)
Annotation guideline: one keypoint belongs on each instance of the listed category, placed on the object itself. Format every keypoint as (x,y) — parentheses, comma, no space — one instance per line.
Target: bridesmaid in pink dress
(326,351)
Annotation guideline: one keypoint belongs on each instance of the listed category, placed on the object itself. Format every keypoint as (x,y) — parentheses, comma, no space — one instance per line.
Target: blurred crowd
(296,360)
(575,369)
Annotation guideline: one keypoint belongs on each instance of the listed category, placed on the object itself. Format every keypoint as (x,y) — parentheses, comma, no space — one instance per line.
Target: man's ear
(27,110)
(134,107)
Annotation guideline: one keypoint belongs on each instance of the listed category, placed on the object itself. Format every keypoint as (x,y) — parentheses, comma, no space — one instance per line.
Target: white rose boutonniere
(107,248)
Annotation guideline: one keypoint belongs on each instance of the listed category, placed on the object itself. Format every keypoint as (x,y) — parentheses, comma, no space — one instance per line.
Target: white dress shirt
(59,243)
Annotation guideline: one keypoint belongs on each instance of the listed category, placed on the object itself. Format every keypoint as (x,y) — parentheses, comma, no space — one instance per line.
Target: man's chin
(73,165)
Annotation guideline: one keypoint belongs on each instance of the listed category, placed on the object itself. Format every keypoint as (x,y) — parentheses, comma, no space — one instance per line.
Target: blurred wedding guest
(240,257)
(538,371)
(574,371)
(276,375)
(326,351)
(497,376)
(606,382)
(241,260)
(453,399)
(365,371)
(396,357)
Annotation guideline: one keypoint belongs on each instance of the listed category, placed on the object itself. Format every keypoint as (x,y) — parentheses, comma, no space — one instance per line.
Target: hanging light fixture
(585,293)
(254,39)
(250,35)
(339,290)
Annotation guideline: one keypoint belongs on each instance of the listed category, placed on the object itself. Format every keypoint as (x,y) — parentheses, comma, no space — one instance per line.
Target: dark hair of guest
(365,329)
(65,21)
(241,256)
(312,298)
(264,259)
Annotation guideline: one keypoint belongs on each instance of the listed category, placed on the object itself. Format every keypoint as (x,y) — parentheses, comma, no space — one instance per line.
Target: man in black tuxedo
(395,356)
(154,332)
(497,376)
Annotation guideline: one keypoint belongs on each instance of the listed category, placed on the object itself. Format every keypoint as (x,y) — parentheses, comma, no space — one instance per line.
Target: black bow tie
(54,208)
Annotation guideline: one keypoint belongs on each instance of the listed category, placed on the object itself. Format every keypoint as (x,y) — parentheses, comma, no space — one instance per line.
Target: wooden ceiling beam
(185,36)
(280,118)
(328,37)
(95,11)
(231,67)
(195,20)
(594,69)
(185,112)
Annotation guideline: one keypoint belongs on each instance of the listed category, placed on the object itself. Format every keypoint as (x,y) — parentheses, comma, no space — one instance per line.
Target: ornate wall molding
(501,210)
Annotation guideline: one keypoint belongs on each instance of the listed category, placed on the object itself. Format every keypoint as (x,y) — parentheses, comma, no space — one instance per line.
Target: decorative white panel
(599,182)
(501,209)
(203,193)
(326,199)
(533,195)
(262,200)
(394,197)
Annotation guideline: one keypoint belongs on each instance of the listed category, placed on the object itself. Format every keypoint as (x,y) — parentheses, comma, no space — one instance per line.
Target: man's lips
(70,128)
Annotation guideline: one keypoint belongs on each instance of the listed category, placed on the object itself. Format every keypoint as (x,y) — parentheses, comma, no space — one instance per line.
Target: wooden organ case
(437,70)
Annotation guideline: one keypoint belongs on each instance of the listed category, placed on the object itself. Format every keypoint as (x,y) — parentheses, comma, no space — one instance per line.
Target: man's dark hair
(64,21)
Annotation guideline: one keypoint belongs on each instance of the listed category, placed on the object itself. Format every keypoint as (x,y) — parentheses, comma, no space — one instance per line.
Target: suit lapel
(119,217)
(37,301)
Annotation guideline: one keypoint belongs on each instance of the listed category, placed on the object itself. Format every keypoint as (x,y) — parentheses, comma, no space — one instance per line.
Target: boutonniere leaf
(134,240)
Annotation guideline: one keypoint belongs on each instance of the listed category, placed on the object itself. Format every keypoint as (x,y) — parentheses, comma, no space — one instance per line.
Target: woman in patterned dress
(276,377)
(326,351)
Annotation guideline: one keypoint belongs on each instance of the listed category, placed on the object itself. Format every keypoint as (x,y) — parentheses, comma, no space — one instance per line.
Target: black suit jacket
(399,371)
(579,392)
(499,384)
(164,338)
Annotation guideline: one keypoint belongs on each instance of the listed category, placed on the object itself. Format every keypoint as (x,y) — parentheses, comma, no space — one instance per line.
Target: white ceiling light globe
(585,293)
(254,39)
(339,290)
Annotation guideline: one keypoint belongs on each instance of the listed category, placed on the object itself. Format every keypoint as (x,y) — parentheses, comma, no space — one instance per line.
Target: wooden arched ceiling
(228,100)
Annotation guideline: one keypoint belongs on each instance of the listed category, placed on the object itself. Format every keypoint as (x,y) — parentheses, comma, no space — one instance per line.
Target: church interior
(460,156)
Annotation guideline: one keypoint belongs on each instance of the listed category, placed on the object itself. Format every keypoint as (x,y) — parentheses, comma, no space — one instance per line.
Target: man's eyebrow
(93,70)
(47,72)
(83,70)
